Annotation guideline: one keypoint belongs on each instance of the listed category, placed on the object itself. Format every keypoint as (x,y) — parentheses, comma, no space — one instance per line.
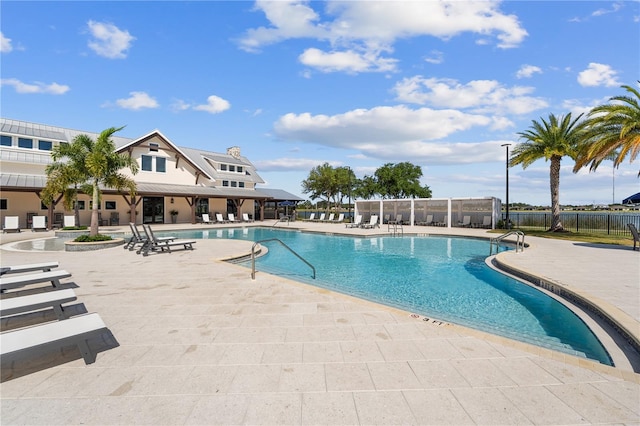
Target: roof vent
(234,151)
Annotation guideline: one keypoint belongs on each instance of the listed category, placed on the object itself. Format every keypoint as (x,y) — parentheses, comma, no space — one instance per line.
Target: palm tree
(96,163)
(552,140)
(65,175)
(614,126)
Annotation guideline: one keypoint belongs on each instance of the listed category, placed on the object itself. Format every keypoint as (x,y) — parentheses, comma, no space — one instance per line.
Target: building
(171,179)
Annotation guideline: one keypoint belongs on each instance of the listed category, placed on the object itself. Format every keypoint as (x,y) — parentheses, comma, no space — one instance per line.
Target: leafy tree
(366,188)
(321,182)
(346,180)
(97,163)
(552,140)
(400,180)
(613,129)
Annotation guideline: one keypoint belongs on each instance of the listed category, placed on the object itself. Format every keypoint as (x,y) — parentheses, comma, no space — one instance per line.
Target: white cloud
(380,125)
(214,105)
(5,44)
(393,134)
(436,57)
(598,75)
(288,164)
(527,71)
(109,41)
(349,61)
(36,87)
(480,96)
(137,100)
(359,31)
(614,8)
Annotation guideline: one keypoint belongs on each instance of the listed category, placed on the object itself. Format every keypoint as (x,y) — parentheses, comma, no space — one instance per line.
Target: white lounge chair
(634,234)
(397,221)
(15,281)
(322,216)
(340,218)
(11,224)
(356,223)
(39,223)
(29,267)
(232,218)
(77,330)
(69,221)
(373,222)
(312,217)
(38,301)
(245,217)
(486,223)
(332,216)
(206,219)
(219,218)
(466,222)
(428,221)
(157,244)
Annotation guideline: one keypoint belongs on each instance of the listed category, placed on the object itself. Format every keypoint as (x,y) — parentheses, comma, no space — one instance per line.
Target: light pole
(507,222)
(349,187)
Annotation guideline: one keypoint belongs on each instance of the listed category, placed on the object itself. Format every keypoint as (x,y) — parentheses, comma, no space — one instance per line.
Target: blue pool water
(439,277)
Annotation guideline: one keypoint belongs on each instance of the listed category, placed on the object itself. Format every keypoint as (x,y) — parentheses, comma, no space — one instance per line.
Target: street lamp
(508,223)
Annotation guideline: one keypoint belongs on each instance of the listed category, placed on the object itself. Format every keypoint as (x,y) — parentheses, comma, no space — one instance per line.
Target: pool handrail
(499,239)
(253,256)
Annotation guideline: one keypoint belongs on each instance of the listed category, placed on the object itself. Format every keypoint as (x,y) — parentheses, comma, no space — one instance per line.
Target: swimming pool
(441,277)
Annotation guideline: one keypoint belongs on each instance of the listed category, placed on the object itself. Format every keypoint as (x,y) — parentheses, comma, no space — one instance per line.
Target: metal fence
(609,223)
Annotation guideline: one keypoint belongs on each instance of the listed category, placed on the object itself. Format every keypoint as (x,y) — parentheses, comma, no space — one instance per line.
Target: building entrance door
(152,210)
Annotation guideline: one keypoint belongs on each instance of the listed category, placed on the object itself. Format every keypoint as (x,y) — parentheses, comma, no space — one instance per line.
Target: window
(80,204)
(232,168)
(25,143)
(202,206)
(234,184)
(223,167)
(239,169)
(3,204)
(153,147)
(225,183)
(45,145)
(5,140)
(161,164)
(109,205)
(147,163)
(43,207)
(241,184)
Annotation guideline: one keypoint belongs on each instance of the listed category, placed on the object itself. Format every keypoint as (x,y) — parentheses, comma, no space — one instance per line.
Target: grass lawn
(595,238)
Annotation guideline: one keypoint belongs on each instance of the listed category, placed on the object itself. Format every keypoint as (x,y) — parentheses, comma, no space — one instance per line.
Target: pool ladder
(282,219)
(253,256)
(395,228)
(498,240)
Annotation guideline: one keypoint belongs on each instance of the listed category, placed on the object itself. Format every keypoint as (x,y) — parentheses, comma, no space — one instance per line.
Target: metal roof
(280,194)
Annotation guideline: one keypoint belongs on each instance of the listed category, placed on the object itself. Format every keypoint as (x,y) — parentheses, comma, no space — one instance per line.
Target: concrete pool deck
(202,343)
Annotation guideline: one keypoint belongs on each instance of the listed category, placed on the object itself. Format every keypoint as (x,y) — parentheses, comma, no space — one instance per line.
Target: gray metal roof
(280,194)
(20,182)
(197,156)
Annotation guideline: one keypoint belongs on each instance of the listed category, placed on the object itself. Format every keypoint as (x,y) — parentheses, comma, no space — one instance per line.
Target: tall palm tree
(613,126)
(551,140)
(96,163)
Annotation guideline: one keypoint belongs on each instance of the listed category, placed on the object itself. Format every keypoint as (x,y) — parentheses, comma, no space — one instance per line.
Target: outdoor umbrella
(286,205)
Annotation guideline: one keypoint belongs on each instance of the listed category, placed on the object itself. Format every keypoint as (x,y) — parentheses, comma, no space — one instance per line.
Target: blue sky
(294,83)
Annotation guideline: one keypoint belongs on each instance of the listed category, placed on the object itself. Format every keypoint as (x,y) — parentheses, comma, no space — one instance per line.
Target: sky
(294,84)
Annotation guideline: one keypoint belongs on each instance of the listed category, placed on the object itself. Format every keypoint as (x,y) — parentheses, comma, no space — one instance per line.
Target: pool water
(441,277)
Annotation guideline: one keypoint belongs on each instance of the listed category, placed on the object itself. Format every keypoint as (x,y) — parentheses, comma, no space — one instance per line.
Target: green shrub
(91,239)
(74,228)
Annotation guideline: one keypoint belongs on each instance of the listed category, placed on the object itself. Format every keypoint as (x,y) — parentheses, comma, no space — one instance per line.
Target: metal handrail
(253,256)
(282,219)
(395,226)
(497,240)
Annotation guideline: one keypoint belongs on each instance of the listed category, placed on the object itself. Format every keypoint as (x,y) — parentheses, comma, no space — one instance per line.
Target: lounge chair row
(231,218)
(43,337)
(323,218)
(150,243)
(357,223)
(38,223)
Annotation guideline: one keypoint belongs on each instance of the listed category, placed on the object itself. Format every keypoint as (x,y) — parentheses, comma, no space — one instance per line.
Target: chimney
(234,151)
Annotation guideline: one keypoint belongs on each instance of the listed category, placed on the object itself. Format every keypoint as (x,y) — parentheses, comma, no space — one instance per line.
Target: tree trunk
(554,182)
(94,211)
